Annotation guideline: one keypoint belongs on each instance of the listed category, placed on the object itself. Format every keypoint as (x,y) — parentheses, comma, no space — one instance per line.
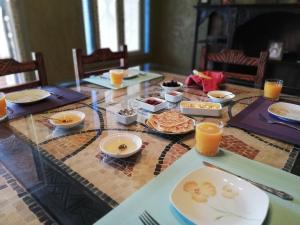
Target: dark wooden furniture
(11,66)
(251,28)
(103,55)
(237,57)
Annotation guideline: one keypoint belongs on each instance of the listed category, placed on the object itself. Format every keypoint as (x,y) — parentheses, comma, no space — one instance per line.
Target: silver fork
(277,122)
(147,219)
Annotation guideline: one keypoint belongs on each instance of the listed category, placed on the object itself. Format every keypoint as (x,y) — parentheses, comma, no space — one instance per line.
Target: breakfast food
(171,122)
(152,101)
(66,119)
(127,112)
(200,105)
(172,83)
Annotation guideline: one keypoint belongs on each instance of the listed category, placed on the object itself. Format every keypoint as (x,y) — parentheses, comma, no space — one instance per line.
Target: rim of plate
(286,118)
(138,141)
(45,92)
(67,125)
(218,171)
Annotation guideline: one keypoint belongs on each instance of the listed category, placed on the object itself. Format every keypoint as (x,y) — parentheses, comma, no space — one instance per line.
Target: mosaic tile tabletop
(76,151)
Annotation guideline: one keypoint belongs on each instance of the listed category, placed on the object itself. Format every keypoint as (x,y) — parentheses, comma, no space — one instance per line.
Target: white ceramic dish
(168,89)
(206,109)
(173,98)
(285,111)
(126,119)
(79,118)
(220,96)
(110,145)
(130,73)
(211,196)
(27,96)
(152,108)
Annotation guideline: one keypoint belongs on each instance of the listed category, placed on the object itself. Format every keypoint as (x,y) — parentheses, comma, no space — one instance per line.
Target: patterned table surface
(75,153)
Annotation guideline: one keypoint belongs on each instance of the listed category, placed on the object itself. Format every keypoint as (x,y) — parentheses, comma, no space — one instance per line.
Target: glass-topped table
(55,176)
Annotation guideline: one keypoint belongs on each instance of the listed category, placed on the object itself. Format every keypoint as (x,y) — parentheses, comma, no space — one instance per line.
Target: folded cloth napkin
(207,84)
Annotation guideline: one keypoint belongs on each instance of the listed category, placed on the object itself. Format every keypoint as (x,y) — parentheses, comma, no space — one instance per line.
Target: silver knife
(271,190)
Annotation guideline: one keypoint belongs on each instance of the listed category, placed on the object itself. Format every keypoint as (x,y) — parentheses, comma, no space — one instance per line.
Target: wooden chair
(98,56)
(11,66)
(237,57)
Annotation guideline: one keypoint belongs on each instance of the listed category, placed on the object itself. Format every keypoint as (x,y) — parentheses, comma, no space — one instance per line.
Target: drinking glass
(272,89)
(208,137)
(2,106)
(116,76)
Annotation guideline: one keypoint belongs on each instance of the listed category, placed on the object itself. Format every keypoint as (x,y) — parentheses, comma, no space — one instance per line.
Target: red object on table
(207,84)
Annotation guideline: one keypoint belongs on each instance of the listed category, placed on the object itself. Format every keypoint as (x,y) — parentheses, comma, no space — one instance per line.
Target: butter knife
(271,190)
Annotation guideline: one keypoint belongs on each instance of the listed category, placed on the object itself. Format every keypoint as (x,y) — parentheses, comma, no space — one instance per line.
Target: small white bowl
(173,98)
(80,116)
(168,89)
(109,145)
(213,96)
(153,108)
(126,119)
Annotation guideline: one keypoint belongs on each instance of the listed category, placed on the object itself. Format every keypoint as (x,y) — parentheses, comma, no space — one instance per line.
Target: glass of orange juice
(2,106)
(208,137)
(116,76)
(272,89)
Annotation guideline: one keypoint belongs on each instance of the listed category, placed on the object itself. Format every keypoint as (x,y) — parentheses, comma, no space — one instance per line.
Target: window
(4,44)
(117,22)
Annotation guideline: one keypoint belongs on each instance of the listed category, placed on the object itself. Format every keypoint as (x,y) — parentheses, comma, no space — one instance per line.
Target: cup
(116,76)
(208,137)
(272,89)
(2,106)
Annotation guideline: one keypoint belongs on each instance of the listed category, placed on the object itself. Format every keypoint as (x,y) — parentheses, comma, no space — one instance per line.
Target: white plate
(130,73)
(228,96)
(133,143)
(286,111)
(65,115)
(210,196)
(27,96)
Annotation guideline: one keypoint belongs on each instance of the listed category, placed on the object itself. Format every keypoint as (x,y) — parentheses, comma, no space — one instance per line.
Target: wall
(173,28)
(52,27)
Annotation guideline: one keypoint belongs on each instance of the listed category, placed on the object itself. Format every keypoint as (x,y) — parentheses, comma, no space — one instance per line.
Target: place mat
(105,82)
(59,97)
(154,197)
(249,120)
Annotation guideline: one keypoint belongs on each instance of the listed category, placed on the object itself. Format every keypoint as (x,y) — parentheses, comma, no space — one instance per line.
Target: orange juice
(272,89)
(208,137)
(2,106)
(116,77)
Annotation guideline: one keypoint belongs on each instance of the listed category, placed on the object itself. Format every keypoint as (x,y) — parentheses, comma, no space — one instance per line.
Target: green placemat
(154,197)
(105,82)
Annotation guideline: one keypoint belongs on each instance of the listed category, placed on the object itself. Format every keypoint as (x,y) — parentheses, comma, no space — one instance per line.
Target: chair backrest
(98,56)
(11,66)
(237,57)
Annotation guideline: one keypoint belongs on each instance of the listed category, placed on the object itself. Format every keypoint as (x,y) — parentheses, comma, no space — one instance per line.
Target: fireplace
(252,28)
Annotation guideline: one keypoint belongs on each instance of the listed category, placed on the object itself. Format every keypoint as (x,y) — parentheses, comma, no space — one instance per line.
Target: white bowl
(153,108)
(213,96)
(126,119)
(109,145)
(168,89)
(173,98)
(67,115)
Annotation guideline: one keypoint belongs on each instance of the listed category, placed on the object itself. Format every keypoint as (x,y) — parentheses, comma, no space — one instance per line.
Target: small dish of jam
(173,96)
(153,104)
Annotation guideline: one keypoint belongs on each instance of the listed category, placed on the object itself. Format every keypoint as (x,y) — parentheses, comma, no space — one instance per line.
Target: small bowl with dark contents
(126,116)
(171,85)
(153,104)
